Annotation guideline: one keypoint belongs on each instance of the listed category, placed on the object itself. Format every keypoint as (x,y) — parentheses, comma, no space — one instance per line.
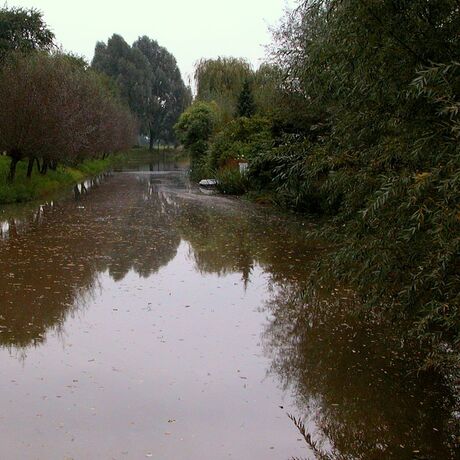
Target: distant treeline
(53,108)
(356,116)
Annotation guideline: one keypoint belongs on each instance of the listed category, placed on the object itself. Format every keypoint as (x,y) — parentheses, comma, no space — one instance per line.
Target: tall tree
(23,30)
(246,106)
(131,72)
(149,80)
(168,92)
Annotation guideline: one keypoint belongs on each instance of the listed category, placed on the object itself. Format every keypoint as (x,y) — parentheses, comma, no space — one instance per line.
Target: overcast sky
(188,29)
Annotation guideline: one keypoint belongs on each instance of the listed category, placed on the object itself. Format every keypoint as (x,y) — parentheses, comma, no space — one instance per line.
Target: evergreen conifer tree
(246,106)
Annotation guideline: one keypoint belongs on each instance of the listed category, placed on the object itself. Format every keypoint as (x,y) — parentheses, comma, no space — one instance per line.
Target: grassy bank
(23,189)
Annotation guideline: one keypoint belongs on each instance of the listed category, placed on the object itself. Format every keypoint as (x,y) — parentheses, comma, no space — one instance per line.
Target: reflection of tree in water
(55,253)
(353,381)
(147,237)
(350,375)
(220,243)
(232,239)
(351,378)
(43,277)
(49,270)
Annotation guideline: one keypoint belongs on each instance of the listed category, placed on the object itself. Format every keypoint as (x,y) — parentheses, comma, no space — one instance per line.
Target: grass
(38,186)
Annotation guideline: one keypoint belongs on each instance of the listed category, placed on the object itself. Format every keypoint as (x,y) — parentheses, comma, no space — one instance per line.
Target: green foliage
(199,169)
(241,139)
(372,139)
(237,89)
(267,81)
(149,81)
(129,69)
(169,95)
(39,185)
(23,30)
(232,182)
(363,103)
(195,127)
(221,80)
(246,106)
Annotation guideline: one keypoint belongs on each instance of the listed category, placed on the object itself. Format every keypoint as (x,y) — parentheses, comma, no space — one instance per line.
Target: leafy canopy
(23,30)
(149,81)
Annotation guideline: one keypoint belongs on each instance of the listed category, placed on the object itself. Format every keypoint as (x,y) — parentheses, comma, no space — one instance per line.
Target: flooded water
(142,318)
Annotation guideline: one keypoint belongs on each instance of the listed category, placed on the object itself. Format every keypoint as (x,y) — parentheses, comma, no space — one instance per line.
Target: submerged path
(144,319)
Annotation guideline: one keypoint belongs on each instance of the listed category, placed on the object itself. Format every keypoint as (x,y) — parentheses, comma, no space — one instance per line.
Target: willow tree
(221,80)
(168,94)
(380,81)
(129,69)
(267,88)
(149,80)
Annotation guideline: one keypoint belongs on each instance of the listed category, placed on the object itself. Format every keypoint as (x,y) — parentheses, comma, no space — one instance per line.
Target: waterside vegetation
(354,119)
(62,120)
(38,186)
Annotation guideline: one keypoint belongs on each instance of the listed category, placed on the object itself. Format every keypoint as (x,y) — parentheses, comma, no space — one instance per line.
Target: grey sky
(189,29)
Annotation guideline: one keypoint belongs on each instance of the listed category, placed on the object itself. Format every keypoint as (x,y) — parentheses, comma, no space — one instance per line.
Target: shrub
(196,126)
(241,139)
(232,182)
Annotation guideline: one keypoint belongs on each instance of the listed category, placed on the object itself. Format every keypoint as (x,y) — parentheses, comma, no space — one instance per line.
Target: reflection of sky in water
(4,228)
(15,220)
(165,321)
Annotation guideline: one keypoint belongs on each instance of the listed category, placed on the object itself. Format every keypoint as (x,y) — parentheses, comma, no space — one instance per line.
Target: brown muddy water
(142,318)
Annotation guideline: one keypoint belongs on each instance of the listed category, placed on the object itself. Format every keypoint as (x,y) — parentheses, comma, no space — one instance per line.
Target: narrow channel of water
(144,319)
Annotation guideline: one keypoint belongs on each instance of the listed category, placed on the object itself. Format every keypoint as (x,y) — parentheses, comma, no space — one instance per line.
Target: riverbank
(24,189)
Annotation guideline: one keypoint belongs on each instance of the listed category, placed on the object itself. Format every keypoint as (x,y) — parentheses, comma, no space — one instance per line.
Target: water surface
(142,318)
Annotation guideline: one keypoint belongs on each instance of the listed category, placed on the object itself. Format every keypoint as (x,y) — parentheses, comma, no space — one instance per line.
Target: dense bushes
(386,162)
(241,139)
(195,127)
(232,182)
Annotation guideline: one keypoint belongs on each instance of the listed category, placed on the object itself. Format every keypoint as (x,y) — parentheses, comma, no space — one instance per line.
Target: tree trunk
(53,165)
(151,141)
(13,164)
(30,167)
(38,164)
(44,169)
